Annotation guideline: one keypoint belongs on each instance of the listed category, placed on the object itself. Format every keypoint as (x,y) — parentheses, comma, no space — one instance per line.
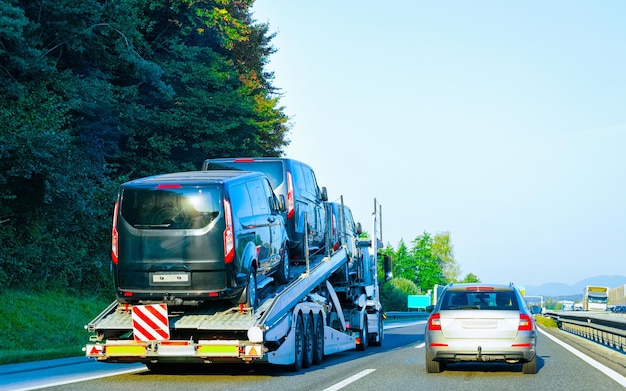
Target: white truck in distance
(595,298)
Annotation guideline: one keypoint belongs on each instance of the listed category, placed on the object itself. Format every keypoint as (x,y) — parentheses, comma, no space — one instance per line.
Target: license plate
(170,278)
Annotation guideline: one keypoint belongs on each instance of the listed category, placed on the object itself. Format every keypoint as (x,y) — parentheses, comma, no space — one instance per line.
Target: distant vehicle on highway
(595,298)
(620,309)
(481,323)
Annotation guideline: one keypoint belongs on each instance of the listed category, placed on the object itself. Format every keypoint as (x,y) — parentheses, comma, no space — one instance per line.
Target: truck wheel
(309,338)
(363,336)
(298,345)
(378,339)
(318,340)
(283,272)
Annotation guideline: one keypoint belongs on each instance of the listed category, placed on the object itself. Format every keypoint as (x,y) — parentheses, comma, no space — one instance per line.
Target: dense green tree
(395,292)
(469,278)
(429,261)
(94,93)
(443,250)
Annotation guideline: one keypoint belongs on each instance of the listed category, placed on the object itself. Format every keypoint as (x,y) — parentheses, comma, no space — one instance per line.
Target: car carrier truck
(330,304)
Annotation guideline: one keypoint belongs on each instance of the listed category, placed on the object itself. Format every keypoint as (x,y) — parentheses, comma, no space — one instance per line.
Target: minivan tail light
(335,233)
(525,323)
(434,322)
(291,206)
(169,186)
(229,239)
(114,236)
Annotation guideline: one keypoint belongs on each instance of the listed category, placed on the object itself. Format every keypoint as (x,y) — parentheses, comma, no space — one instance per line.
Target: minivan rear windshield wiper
(152,225)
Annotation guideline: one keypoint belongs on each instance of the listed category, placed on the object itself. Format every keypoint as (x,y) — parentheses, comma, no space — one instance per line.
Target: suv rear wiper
(152,225)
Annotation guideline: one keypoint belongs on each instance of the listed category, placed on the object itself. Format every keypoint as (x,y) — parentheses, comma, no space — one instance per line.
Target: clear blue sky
(503,123)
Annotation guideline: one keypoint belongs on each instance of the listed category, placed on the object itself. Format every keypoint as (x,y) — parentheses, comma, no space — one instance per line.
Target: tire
(251,290)
(378,340)
(309,338)
(530,367)
(283,272)
(298,345)
(363,336)
(432,366)
(318,340)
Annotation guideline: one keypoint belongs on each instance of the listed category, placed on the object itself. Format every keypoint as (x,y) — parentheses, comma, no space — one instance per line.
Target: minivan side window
(307,182)
(260,205)
(269,194)
(299,177)
(240,201)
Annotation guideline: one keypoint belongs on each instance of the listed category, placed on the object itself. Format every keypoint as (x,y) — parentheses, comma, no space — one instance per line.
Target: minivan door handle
(271,219)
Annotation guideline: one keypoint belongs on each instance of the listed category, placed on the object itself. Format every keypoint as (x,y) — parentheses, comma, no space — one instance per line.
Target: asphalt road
(397,365)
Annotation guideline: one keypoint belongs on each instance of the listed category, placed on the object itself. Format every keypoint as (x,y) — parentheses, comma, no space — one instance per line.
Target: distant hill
(555,289)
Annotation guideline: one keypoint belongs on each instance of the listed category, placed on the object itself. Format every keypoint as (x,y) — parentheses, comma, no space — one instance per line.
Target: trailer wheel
(318,340)
(363,336)
(298,345)
(309,342)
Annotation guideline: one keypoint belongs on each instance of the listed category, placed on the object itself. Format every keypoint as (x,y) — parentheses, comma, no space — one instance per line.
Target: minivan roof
(251,160)
(192,177)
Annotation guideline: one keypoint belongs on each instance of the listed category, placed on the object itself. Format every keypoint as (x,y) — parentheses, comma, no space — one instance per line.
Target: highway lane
(397,365)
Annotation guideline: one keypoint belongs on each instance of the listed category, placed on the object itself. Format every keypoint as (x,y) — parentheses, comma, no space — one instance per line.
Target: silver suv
(481,323)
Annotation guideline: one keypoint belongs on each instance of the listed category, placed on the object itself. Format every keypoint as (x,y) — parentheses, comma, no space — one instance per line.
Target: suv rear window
(493,300)
(174,208)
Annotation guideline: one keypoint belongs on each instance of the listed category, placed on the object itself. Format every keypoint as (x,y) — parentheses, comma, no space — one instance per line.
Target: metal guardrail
(409,315)
(605,328)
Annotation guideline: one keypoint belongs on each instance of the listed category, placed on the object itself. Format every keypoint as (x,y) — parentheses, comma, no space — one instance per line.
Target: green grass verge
(45,325)
(545,321)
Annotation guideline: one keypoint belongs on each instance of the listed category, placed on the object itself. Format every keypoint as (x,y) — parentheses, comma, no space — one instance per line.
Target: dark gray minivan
(187,237)
(297,183)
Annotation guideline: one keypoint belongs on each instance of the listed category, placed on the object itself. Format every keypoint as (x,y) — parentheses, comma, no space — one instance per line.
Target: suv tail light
(434,322)
(291,206)
(525,323)
(114,242)
(229,239)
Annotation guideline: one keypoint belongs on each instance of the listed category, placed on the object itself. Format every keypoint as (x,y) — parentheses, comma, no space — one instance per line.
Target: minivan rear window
(272,169)
(174,208)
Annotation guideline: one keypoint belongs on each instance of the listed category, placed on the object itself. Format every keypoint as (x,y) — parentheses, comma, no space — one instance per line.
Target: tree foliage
(94,93)
(394,293)
(429,261)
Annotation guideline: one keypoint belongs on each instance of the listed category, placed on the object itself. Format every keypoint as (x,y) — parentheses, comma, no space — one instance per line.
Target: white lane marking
(602,368)
(349,380)
(44,384)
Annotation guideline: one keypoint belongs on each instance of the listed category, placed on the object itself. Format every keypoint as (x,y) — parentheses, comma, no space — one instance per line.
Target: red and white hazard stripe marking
(150,322)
